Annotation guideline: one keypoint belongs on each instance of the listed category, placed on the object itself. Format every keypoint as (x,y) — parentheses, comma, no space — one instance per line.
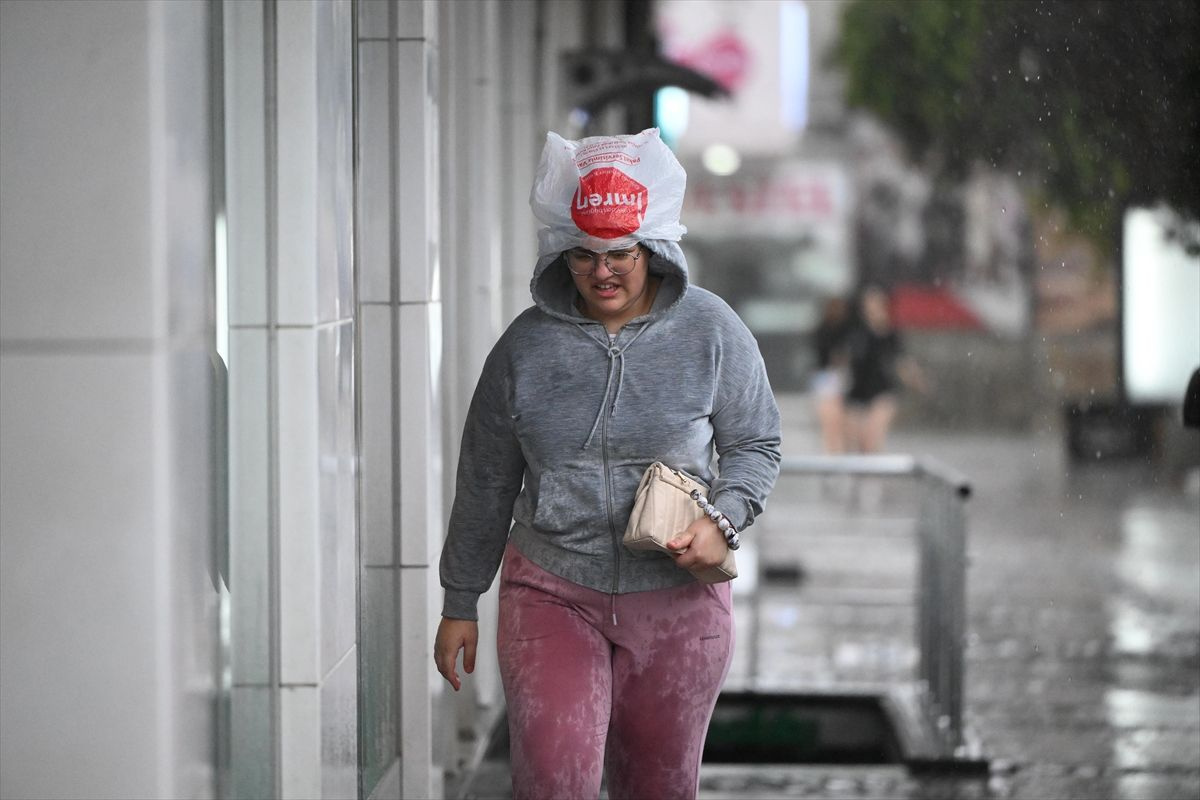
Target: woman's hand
(454,635)
(700,545)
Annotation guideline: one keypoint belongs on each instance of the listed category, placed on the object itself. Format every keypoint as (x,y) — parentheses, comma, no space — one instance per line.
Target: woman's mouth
(605,289)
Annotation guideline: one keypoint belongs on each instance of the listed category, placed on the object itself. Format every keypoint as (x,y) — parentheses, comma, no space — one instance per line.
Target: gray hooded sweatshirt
(564,422)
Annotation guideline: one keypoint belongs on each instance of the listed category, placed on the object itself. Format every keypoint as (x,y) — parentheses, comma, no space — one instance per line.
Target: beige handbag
(663,508)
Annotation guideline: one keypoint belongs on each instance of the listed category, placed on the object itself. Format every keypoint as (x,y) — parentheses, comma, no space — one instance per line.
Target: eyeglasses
(619,262)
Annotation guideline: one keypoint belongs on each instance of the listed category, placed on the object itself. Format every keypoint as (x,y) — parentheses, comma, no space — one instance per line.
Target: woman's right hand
(454,635)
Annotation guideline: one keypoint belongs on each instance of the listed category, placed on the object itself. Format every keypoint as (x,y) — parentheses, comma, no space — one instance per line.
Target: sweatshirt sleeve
(491,468)
(746,429)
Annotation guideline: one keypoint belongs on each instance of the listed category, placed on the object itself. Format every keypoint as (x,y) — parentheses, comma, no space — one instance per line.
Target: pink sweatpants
(587,697)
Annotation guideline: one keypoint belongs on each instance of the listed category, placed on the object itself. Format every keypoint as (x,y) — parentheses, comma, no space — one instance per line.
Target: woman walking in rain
(611,659)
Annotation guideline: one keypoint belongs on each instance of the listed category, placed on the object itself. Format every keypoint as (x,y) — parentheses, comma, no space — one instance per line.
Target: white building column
(521,139)
(472,236)
(399,293)
(109,567)
(293,452)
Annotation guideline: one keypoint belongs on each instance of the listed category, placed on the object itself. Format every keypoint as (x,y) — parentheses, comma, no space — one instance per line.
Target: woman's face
(615,299)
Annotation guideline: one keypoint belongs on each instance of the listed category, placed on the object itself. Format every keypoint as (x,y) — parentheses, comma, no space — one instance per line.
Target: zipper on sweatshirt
(612,528)
(608,492)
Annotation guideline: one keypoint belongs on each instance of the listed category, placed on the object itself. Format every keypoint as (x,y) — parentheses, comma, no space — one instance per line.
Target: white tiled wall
(300,741)
(250,507)
(252,429)
(335,165)
(417,607)
(296,178)
(379,688)
(250,740)
(373,21)
(245,163)
(299,504)
(417,19)
(416,213)
(420,483)
(338,551)
(521,140)
(80,280)
(108,585)
(292,395)
(374,206)
(472,235)
(339,728)
(74,564)
(377,485)
(399,292)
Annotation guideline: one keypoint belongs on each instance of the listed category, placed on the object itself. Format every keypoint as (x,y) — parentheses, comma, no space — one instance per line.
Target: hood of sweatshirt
(554,290)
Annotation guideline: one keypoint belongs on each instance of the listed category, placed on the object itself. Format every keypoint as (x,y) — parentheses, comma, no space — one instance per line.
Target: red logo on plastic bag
(608,203)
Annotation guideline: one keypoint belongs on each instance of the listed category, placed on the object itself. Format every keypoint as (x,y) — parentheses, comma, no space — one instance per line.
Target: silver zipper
(612,528)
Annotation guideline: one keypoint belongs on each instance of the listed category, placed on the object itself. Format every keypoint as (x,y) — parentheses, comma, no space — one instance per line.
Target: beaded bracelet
(723,523)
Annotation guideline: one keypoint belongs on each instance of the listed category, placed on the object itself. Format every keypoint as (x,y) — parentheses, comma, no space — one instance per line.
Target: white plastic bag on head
(607,192)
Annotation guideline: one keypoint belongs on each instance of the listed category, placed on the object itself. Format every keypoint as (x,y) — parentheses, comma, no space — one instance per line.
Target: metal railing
(940,593)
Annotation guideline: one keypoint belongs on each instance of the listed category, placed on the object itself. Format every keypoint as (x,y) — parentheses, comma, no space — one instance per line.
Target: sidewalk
(1083,651)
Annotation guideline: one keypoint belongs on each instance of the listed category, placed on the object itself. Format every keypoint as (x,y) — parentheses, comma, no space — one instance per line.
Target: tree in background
(1095,104)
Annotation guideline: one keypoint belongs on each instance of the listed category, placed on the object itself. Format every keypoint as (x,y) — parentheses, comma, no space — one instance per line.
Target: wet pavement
(1083,629)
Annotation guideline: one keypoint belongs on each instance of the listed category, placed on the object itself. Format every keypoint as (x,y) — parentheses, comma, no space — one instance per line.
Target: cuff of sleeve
(735,509)
(460,604)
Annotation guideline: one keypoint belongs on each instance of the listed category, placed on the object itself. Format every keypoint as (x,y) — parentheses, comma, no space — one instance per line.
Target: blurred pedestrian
(611,659)
(878,368)
(828,384)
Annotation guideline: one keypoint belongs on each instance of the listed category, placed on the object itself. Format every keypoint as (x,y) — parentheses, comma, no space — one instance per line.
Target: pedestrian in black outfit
(878,367)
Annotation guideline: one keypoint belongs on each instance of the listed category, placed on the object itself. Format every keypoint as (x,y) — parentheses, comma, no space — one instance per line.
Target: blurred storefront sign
(784,199)
(774,240)
(759,52)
